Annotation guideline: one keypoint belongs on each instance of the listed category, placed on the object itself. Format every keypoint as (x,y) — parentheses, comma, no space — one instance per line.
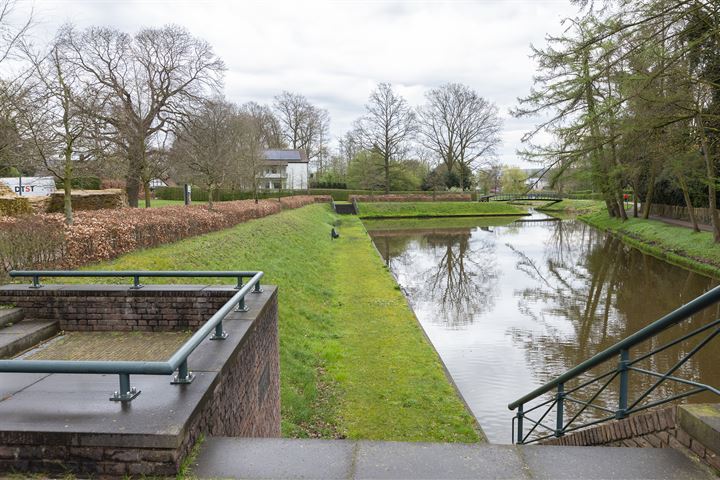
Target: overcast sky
(334,53)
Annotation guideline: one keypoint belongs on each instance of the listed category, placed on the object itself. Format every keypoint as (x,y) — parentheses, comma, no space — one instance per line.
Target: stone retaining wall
(94,308)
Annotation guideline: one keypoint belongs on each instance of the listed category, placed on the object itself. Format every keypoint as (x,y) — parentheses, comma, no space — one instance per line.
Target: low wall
(59,424)
(652,429)
(675,211)
(96,308)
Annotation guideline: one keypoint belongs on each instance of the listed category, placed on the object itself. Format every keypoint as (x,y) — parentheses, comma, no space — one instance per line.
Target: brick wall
(651,429)
(119,308)
(242,400)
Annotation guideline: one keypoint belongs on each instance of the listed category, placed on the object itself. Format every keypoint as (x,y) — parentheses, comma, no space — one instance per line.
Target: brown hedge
(44,241)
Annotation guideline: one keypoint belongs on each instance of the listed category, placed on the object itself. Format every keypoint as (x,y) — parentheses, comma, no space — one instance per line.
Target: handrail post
(559,430)
(520,424)
(126,393)
(136,282)
(258,288)
(219,333)
(239,283)
(36,281)
(184,376)
(624,373)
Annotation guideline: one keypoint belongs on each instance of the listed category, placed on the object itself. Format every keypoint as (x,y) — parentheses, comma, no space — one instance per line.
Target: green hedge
(82,183)
(201,195)
(344,195)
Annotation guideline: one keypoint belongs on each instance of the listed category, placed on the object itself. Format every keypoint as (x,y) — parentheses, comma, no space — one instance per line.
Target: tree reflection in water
(458,280)
(605,291)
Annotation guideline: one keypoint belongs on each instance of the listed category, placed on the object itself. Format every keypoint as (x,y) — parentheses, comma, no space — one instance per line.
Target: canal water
(511,304)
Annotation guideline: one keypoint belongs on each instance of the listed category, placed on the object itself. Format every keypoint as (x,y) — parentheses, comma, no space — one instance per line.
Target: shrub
(14,206)
(42,240)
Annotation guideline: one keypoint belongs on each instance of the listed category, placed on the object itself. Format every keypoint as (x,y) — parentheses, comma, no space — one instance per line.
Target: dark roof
(290,156)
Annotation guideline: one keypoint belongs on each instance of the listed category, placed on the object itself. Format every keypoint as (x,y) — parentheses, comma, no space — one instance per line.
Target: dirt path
(681,223)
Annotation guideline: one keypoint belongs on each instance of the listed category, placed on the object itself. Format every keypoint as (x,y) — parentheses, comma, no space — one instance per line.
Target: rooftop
(288,156)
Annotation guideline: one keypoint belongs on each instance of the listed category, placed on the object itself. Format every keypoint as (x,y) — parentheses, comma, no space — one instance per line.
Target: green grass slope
(436,209)
(354,360)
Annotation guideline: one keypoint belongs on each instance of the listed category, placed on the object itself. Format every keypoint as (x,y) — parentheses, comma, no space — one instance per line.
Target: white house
(284,169)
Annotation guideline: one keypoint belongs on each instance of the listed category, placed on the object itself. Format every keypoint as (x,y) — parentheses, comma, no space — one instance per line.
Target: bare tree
(50,121)
(268,122)
(251,160)
(304,126)
(387,127)
(459,126)
(11,30)
(207,145)
(148,84)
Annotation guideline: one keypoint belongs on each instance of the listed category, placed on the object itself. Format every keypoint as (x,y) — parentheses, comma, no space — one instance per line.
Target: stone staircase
(18,334)
(254,458)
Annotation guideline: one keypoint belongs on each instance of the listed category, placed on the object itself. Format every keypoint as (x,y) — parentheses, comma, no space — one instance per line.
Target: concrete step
(10,315)
(254,458)
(21,336)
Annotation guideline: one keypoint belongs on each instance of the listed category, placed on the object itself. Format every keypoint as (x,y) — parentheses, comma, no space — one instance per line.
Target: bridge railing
(504,197)
(550,400)
(178,361)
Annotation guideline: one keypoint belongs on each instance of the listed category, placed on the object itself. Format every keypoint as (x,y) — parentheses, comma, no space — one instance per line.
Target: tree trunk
(688,203)
(649,195)
(387,175)
(148,198)
(635,203)
(711,179)
(67,187)
(210,197)
(136,162)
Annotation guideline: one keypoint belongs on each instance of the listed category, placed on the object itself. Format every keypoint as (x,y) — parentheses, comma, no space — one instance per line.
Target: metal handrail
(624,366)
(683,313)
(178,361)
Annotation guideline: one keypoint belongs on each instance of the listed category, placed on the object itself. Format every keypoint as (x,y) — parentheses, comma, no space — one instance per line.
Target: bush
(29,241)
(44,241)
(82,183)
(14,206)
(331,185)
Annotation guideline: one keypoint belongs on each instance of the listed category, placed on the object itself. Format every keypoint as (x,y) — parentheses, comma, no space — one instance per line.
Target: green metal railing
(561,395)
(177,362)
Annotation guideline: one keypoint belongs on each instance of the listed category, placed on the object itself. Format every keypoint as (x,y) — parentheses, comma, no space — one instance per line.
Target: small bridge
(511,197)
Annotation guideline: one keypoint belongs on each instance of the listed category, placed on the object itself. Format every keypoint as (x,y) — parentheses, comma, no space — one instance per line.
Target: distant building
(535,180)
(284,169)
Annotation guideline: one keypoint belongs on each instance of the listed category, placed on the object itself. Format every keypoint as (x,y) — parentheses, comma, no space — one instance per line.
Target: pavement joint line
(523,461)
(353,460)
(25,387)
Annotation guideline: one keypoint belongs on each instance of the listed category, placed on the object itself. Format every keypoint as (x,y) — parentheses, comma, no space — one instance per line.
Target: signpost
(30,186)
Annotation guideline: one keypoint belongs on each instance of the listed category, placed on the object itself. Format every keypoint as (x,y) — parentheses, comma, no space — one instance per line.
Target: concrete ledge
(702,423)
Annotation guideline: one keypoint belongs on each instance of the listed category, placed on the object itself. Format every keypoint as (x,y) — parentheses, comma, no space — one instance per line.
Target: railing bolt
(258,288)
(184,376)
(126,393)
(219,334)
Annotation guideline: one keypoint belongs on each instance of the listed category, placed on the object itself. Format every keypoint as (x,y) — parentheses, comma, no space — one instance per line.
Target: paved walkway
(681,223)
(255,458)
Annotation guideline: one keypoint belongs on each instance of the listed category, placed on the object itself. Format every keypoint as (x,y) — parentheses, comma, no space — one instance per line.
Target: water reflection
(511,306)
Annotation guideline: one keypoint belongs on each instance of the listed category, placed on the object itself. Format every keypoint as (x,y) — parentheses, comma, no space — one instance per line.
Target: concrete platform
(345,459)
(10,315)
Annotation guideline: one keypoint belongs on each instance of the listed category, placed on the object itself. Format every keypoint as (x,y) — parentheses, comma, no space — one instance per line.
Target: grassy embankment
(436,209)
(354,360)
(678,245)
(572,207)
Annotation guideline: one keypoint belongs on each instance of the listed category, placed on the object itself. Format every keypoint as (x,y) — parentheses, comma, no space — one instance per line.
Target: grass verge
(354,360)
(436,209)
(678,245)
(569,206)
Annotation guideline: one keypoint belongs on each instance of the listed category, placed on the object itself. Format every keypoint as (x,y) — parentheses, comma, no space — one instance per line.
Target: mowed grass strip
(436,209)
(679,245)
(354,361)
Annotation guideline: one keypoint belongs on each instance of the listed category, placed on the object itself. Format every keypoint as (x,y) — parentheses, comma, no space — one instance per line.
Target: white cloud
(335,52)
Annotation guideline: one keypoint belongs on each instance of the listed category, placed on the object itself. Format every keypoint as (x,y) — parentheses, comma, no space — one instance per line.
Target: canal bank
(429,209)
(674,244)
(354,361)
(511,305)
